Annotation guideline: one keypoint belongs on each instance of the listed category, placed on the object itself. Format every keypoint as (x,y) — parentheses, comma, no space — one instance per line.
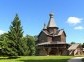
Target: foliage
(72,42)
(31,44)
(15,35)
(14,44)
(83,45)
(25,47)
(3,43)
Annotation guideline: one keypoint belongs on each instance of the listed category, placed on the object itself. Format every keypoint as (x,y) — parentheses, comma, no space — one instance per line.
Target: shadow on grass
(82,59)
(46,60)
(12,57)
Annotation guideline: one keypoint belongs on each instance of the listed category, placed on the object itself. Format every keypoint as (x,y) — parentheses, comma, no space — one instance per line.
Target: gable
(42,37)
(61,32)
(42,32)
(64,33)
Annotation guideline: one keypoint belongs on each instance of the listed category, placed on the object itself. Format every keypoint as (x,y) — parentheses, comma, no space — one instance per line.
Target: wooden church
(52,40)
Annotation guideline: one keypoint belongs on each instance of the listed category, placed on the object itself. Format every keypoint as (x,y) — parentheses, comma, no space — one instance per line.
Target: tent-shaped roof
(51,22)
(44,26)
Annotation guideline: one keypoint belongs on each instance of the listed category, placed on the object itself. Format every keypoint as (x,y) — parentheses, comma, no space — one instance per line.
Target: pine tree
(15,36)
(14,44)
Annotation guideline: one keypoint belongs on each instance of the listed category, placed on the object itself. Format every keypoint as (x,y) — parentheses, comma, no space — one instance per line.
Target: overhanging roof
(49,43)
(73,46)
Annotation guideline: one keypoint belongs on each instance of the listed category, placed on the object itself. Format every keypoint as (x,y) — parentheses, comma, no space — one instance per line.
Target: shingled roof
(59,32)
(73,46)
(51,22)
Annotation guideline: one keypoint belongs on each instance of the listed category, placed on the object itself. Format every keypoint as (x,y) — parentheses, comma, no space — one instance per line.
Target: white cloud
(79,27)
(74,20)
(1,31)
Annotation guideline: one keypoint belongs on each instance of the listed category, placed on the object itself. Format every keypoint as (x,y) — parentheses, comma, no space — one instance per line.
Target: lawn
(36,59)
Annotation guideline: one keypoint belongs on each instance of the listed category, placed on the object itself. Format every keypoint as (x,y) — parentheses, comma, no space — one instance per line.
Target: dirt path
(76,59)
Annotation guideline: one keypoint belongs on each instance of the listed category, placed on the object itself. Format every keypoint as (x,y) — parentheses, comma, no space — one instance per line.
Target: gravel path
(76,59)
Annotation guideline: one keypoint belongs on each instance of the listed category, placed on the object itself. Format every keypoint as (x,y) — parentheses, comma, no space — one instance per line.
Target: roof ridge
(51,22)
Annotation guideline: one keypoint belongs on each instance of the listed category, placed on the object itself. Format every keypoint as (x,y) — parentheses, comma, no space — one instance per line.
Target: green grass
(36,59)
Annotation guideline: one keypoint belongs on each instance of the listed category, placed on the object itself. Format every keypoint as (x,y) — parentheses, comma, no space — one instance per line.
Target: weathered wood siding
(63,38)
(42,38)
(58,38)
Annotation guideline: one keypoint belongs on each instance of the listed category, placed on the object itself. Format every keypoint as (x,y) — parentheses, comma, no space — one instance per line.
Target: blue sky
(68,14)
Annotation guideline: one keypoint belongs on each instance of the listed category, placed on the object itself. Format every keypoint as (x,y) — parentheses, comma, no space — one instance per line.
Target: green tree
(3,44)
(31,44)
(72,42)
(25,46)
(2,36)
(83,45)
(15,36)
(14,44)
